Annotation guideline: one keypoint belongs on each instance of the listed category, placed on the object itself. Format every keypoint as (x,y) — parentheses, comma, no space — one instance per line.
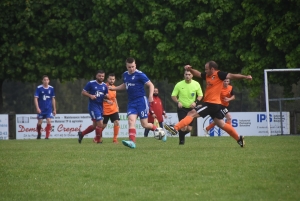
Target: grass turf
(214,168)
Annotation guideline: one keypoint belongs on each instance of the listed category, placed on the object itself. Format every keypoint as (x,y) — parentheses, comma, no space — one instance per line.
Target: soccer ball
(159,133)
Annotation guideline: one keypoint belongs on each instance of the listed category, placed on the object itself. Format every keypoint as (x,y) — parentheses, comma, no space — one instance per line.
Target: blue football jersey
(135,84)
(45,96)
(94,88)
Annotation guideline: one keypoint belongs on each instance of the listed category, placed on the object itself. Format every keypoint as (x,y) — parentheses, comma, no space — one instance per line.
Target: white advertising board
(4,127)
(250,124)
(68,125)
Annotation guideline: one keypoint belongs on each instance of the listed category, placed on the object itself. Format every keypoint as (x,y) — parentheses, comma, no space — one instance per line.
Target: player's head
(130,65)
(188,76)
(45,80)
(100,75)
(111,79)
(155,92)
(226,82)
(210,67)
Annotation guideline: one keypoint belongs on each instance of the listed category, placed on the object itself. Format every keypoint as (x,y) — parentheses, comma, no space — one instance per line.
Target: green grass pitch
(213,168)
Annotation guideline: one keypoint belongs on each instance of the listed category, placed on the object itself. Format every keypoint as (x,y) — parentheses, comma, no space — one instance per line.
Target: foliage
(69,40)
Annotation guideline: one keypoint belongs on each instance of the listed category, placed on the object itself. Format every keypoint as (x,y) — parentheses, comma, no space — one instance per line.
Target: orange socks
(210,126)
(116,132)
(231,131)
(184,122)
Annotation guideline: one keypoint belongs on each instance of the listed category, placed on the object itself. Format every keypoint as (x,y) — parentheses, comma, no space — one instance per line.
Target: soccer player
(96,91)
(212,103)
(111,108)
(156,112)
(134,82)
(227,95)
(186,94)
(44,101)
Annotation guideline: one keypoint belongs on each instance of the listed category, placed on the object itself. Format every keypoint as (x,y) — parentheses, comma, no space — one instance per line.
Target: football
(159,133)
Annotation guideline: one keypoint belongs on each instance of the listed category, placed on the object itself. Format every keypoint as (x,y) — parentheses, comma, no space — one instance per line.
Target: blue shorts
(45,116)
(139,106)
(96,113)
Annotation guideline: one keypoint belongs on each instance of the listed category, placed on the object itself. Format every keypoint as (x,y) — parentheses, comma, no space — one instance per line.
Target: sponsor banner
(68,125)
(4,127)
(250,124)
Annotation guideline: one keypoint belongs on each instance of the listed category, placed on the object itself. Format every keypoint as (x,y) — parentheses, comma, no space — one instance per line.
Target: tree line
(70,40)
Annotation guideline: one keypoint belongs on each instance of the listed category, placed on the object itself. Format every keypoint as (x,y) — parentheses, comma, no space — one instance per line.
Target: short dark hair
(130,60)
(111,74)
(100,71)
(45,76)
(212,64)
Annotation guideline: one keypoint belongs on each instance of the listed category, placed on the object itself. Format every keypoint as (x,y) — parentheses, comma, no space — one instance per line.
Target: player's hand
(54,112)
(93,97)
(248,77)
(187,67)
(226,99)
(165,116)
(193,105)
(179,105)
(111,88)
(38,110)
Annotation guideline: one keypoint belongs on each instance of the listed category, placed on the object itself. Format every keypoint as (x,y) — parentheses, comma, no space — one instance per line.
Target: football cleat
(80,136)
(171,129)
(241,141)
(129,144)
(164,138)
(206,134)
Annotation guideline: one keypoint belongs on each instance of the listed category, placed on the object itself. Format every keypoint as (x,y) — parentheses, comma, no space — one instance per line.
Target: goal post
(267,91)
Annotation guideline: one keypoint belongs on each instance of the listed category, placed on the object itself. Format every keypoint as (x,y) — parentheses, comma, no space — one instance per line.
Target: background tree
(69,40)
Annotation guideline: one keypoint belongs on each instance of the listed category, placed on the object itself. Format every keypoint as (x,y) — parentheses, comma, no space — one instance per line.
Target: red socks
(132,134)
(88,130)
(48,129)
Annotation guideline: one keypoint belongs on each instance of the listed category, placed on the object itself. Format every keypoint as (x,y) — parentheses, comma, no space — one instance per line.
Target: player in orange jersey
(226,96)
(212,102)
(111,108)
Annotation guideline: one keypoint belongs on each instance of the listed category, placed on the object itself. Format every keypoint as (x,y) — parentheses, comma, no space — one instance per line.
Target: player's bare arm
(91,96)
(37,105)
(229,99)
(54,106)
(151,91)
(238,76)
(118,88)
(195,73)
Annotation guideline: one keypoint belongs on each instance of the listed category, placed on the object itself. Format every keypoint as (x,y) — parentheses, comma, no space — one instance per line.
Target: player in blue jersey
(138,105)
(45,105)
(96,91)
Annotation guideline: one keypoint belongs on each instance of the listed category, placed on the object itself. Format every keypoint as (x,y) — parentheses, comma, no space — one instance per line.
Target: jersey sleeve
(36,93)
(203,75)
(144,78)
(175,90)
(87,87)
(232,93)
(199,90)
(222,75)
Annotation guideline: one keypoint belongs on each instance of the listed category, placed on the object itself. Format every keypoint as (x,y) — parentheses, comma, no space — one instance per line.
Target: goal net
(279,123)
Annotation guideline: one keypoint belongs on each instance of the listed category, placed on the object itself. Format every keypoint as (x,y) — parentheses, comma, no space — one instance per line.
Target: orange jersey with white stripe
(214,84)
(226,92)
(110,108)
